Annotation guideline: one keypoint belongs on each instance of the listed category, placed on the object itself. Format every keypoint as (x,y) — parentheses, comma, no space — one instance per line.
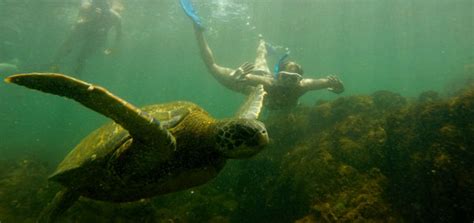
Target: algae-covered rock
(336,191)
(23,189)
(376,158)
(388,101)
(429,150)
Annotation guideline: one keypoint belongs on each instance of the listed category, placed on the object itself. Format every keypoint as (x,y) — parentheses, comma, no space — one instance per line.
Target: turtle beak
(263,138)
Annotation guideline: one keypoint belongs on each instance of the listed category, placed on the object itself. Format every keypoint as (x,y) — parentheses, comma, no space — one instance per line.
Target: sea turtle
(147,151)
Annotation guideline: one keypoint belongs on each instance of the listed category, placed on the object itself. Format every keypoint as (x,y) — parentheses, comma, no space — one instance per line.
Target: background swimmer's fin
(189,10)
(253,105)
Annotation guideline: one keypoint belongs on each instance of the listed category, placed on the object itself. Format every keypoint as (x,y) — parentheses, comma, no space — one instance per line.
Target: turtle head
(241,138)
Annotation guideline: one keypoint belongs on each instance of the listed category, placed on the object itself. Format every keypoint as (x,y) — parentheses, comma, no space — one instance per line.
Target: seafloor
(376,158)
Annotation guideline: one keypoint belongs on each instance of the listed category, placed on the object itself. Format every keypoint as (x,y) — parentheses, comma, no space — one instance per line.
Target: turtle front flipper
(139,124)
(253,105)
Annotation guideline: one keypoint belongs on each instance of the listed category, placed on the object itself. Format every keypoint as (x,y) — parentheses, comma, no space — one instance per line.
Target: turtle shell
(99,145)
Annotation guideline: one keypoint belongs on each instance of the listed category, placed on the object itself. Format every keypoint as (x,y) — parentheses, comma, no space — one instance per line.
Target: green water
(404,46)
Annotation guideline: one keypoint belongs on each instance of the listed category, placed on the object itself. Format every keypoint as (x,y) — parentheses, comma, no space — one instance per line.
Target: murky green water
(407,47)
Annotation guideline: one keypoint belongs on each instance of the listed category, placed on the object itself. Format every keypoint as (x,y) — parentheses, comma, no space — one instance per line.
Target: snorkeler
(284,87)
(89,33)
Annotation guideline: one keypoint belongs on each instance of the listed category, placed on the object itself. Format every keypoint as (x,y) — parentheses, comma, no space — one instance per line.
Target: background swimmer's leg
(91,46)
(64,50)
(261,60)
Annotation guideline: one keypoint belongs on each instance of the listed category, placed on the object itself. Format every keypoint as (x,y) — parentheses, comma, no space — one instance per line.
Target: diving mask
(288,78)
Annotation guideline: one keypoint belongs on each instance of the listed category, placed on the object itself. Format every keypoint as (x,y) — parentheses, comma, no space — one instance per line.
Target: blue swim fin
(271,50)
(189,10)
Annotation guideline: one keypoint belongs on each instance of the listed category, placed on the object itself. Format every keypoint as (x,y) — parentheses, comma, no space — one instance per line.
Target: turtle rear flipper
(62,201)
(253,105)
(139,124)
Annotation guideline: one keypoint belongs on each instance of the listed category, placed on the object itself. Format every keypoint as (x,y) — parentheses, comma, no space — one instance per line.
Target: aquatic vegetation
(377,158)
(23,189)
(429,154)
(333,168)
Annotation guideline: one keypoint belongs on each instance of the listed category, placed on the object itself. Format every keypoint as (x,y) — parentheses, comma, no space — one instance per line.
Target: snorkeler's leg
(208,57)
(191,13)
(64,50)
(217,71)
(91,46)
(74,38)
(261,65)
(81,60)
(223,75)
(80,64)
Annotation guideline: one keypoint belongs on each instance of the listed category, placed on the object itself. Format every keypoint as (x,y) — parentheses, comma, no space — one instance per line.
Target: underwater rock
(358,137)
(429,150)
(87,210)
(355,159)
(387,101)
(23,189)
(422,149)
(336,191)
(324,115)
(428,96)
(307,219)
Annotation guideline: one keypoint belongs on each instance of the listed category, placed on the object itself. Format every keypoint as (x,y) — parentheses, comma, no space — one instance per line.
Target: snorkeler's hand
(240,73)
(335,84)
(108,51)
(111,51)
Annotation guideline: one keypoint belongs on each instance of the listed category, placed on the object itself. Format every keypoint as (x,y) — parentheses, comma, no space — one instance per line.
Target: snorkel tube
(191,13)
(282,59)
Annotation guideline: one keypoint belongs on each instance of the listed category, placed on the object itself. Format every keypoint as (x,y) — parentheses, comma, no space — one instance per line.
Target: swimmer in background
(284,87)
(89,33)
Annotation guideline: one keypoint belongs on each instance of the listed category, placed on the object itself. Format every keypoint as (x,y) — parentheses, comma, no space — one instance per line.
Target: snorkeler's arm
(332,83)
(217,71)
(254,80)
